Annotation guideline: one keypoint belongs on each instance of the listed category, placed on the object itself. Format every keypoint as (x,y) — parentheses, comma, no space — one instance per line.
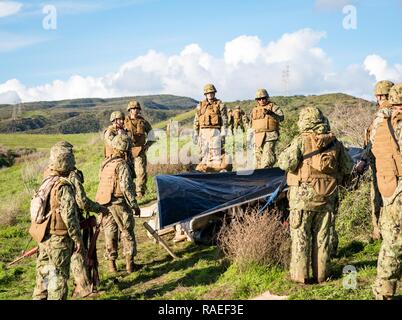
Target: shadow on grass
(192,278)
(337,268)
(351,249)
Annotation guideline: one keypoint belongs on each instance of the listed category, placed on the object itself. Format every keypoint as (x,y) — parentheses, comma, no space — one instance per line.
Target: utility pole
(286,79)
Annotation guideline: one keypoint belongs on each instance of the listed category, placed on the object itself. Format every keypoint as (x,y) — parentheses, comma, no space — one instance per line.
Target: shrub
(254,239)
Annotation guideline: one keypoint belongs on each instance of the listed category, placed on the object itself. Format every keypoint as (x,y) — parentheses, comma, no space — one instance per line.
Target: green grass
(199,273)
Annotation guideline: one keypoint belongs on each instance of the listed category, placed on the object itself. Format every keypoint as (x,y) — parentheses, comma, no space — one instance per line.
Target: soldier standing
(117,127)
(239,119)
(265,119)
(316,163)
(210,123)
(386,148)
(79,268)
(381,92)
(116,191)
(142,137)
(230,121)
(62,235)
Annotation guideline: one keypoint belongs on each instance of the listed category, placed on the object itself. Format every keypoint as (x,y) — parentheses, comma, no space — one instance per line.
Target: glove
(137,211)
(195,138)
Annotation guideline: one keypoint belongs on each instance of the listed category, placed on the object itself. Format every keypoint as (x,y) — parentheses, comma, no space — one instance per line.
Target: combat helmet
(133,105)
(61,159)
(121,142)
(116,115)
(237,108)
(310,117)
(261,93)
(383,87)
(64,144)
(209,88)
(395,94)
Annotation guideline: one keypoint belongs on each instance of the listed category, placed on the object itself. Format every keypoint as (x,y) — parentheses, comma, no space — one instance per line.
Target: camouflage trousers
(389,264)
(79,271)
(209,139)
(140,169)
(53,268)
(376,207)
(121,221)
(265,156)
(310,234)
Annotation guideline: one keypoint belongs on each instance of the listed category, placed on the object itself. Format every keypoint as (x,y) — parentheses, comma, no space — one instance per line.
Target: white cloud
(9,8)
(378,67)
(9,41)
(9,97)
(247,64)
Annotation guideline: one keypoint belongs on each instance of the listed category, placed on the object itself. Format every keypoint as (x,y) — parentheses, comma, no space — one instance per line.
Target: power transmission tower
(286,79)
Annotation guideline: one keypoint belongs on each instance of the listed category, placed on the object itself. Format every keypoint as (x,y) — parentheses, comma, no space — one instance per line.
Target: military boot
(112,266)
(129,264)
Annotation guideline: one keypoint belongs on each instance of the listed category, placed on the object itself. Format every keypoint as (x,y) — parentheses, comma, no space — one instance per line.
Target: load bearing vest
(263,122)
(321,169)
(209,115)
(109,184)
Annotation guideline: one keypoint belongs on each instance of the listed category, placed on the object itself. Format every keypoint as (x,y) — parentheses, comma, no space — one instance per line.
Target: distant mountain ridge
(92,114)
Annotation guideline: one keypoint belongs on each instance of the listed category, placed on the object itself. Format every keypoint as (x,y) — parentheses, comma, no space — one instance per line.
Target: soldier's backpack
(39,203)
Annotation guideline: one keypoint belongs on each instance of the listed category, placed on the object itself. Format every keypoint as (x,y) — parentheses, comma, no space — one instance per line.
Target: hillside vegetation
(201,272)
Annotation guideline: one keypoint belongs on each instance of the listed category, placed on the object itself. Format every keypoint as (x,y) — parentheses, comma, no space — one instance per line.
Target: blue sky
(96,38)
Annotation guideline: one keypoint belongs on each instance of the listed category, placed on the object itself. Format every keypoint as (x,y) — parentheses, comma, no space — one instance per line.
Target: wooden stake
(159,239)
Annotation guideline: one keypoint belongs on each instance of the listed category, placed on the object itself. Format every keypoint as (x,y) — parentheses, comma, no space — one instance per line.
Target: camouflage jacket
(127,185)
(304,197)
(68,212)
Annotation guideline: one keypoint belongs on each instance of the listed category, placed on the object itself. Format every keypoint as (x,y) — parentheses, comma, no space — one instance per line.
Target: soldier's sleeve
(83,202)
(151,138)
(196,123)
(108,136)
(278,113)
(290,158)
(68,212)
(345,162)
(127,185)
(224,115)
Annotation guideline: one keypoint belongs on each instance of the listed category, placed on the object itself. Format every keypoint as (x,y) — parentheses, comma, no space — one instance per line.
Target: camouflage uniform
(215,163)
(265,122)
(56,249)
(388,155)
(141,134)
(312,203)
(210,124)
(239,119)
(382,89)
(230,120)
(117,192)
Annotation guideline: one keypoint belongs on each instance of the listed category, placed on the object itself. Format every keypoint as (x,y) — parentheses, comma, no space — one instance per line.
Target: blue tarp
(185,196)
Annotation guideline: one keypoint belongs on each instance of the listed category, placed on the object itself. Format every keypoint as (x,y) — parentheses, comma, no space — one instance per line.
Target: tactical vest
(57,226)
(387,157)
(109,184)
(209,115)
(136,130)
(108,150)
(263,122)
(237,116)
(319,170)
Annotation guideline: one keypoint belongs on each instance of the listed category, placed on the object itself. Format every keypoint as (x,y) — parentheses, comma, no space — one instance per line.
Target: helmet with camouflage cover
(133,105)
(209,88)
(237,108)
(61,159)
(64,144)
(261,93)
(121,142)
(311,117)
(116,115)
(383,87)
(395,94)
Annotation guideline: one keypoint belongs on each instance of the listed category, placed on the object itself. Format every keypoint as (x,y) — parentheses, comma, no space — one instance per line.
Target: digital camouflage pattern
(120,218)
(265,142)
(53,261)
(383,87)
(311,214)
(389,265)
(133,104)
(117,115)
(209,88)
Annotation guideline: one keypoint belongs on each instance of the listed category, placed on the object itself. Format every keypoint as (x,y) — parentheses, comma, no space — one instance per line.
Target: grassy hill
(84,115)
(201,272)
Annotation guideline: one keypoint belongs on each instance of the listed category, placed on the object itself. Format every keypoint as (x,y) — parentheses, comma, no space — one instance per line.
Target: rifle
(25,254)
(92,258)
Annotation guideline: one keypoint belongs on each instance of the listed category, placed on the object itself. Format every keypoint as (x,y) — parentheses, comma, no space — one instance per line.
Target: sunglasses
(259,99)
